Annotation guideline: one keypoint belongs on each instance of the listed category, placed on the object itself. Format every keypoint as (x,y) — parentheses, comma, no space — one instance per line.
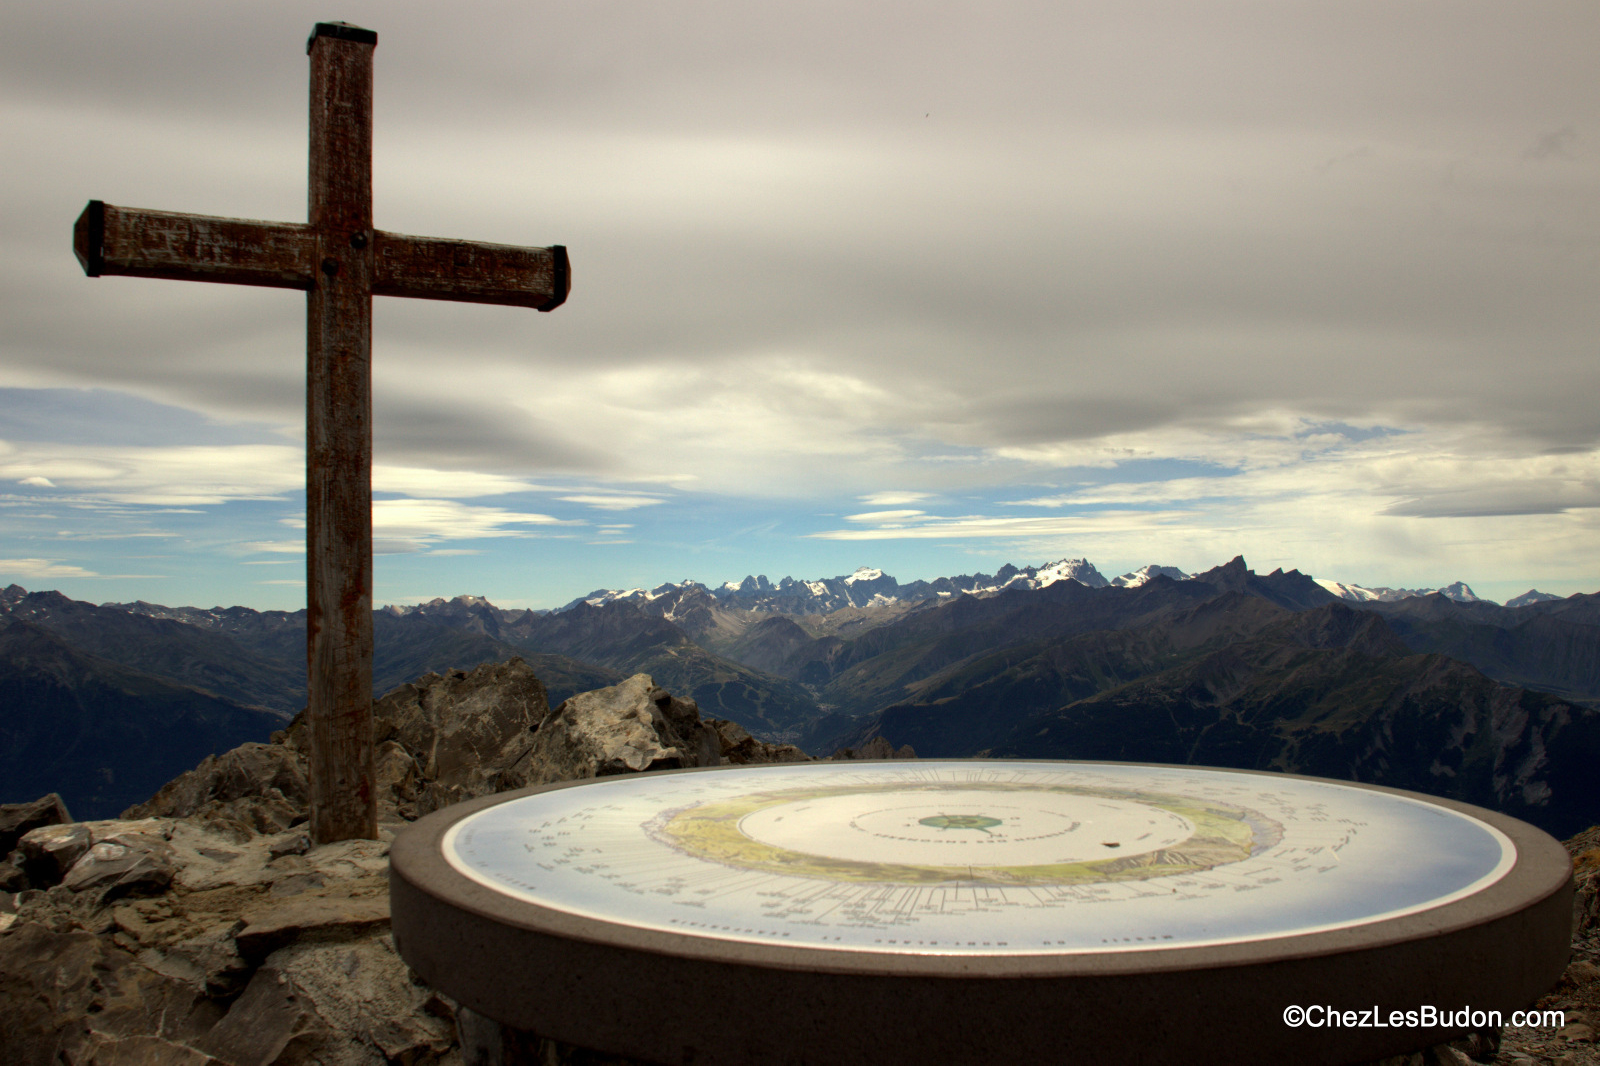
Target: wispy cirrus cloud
(408,525)
(42,568)
(612,501)
(425,522)
(884,517)
(195,476)
(893,498)
(930,527)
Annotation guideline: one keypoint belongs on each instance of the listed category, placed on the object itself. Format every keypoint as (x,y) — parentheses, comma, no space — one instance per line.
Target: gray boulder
(17,819)
(635,726)
(352,1002)
(47,853)
(122,863)
(252,789)
(621,729)
(443,739)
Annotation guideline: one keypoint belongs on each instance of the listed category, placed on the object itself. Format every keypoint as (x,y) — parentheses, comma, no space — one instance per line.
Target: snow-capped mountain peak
(1080,570)
(868,586)
(1459,591)
(1145,574)
(1531,596)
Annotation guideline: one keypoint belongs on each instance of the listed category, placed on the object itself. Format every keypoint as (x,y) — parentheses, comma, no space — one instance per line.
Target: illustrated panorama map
(983,857)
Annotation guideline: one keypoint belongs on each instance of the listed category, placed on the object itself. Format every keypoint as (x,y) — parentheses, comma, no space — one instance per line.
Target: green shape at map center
(959,821)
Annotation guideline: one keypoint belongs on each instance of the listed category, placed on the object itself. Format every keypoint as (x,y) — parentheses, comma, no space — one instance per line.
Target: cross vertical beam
(340,261)
(339,437)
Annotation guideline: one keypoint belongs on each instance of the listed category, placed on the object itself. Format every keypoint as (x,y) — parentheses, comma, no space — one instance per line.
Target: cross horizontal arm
(166,244)
(132,242)
(433,268)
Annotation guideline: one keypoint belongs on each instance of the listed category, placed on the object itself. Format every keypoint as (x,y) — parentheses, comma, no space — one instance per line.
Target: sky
(929,287)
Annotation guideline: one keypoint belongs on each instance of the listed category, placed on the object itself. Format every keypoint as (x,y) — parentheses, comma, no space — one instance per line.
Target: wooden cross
(341,261)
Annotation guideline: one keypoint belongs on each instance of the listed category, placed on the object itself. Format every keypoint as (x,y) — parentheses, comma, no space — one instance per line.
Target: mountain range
(868,586)
(1437,690)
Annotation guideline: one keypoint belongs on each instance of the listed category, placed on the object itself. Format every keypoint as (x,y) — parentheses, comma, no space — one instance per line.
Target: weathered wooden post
(341,261)
(339,437)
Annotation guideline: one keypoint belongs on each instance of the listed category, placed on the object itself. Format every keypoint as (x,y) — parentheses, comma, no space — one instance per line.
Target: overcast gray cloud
(901,251)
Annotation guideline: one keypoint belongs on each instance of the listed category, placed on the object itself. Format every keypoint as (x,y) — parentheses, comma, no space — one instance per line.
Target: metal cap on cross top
(343,31)
(340,261)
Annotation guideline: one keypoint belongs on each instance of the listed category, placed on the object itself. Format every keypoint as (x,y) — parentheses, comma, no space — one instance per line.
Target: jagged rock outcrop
(636,726)
(237,952)
(204,928)
(252,789)
(876,748)
(16,821)
(440,739)
(444,739)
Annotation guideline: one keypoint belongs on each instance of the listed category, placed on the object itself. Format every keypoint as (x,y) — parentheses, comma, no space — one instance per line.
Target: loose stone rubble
(204,928)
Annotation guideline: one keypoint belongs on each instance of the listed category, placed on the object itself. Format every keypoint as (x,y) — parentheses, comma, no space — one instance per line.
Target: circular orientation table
(981,911)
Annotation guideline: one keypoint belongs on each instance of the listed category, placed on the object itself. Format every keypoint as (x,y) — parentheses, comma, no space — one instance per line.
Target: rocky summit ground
(204,928)
(1577,995)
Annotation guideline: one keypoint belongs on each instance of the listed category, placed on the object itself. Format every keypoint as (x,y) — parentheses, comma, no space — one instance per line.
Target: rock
(49,852)
(440,740)
(1577,1032)
(1480,1046)
(12,877)
(205,928)
(443,739)
(739,747)
(624,728)
(637,725)
(1586,875)
(298,844)
(254,788)
(76,997)
(348,1003)
(264,1021)
(1583,972)
(17,819)
(876,748)
(123,863)
(321,917)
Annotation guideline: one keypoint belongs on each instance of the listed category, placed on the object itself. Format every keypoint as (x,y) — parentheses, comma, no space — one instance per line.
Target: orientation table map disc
(978,857)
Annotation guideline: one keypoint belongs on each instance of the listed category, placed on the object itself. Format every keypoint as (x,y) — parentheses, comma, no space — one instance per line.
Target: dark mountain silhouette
(976,703)
(1226,667)
(631,638)
(880,667)
(182,653)
(257,658)
(1550,645)
(572,651)
(1242,682)
(102,735)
